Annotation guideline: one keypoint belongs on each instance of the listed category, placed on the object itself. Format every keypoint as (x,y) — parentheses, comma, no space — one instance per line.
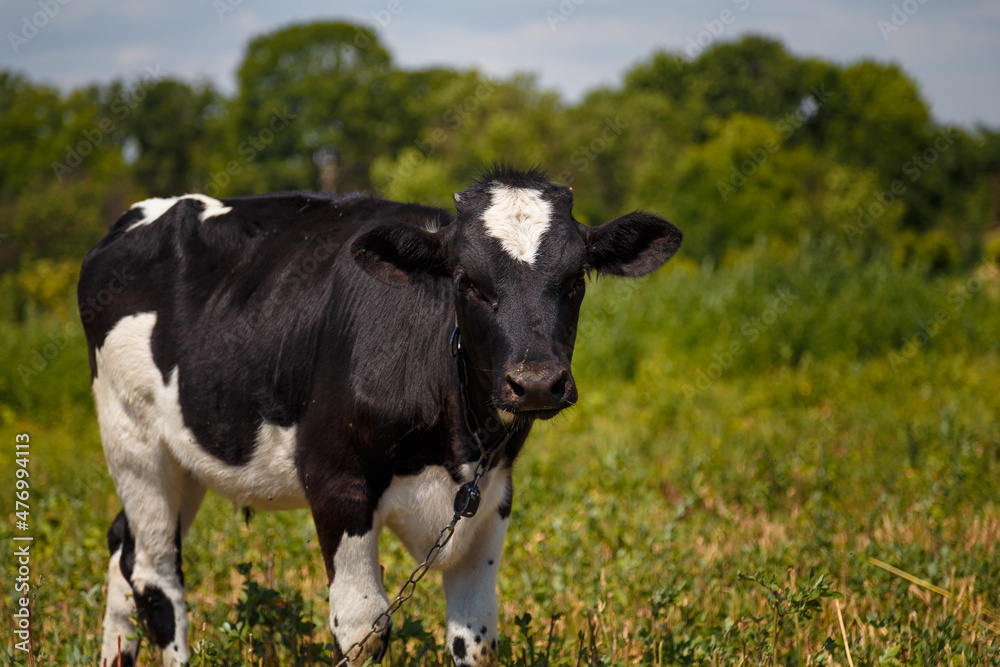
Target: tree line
(744,142)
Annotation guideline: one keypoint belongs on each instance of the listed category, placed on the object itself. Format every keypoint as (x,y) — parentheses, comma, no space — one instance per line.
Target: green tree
(755,76)
(617,140)
(305,88)
(167,129)
(472,122)
(33,119)
(875,118)
(61,175)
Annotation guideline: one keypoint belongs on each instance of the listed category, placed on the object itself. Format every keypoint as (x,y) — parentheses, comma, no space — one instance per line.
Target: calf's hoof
(374,648)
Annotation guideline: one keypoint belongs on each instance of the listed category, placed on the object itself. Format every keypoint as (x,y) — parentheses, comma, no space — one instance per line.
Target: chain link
(465,506)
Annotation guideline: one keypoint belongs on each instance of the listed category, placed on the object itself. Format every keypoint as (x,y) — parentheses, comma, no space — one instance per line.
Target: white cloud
(132,56)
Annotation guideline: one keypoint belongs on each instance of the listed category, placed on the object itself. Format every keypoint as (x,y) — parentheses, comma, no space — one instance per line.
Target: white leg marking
(470,588)
(416,507)
(517,217)
(117,614)
(356,595)
(150,485)
(123,414)
(154,488)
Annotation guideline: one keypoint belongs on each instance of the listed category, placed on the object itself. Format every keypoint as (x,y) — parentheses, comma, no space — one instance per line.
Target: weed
(269,629)
(824,443)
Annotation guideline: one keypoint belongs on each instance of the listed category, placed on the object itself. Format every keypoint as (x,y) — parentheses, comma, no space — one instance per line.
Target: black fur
(178,560)
(126,661)
(507,504)
(116,533)
(236,287)
(127,561)
(458,648)
(333,313)
(154,608)
(157,614)
(633,245)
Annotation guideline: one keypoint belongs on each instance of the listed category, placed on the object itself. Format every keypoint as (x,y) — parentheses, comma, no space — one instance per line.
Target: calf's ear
(632,245)
(400,254)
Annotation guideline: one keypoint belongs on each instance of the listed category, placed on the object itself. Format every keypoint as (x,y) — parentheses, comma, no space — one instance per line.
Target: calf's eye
(574,286)
(469,288)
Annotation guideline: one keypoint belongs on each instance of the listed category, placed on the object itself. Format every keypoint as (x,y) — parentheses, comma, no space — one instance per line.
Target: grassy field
(752,439)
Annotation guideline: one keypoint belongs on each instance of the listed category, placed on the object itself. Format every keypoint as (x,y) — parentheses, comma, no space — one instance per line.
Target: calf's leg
(347,528)
(118,610)
(470,589)
(159,498)
(145,568)
(357,597)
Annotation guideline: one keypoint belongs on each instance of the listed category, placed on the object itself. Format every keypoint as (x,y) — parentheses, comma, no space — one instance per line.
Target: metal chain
(466,503)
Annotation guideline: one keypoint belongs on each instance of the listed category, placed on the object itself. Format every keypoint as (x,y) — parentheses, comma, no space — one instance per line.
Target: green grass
(694,508)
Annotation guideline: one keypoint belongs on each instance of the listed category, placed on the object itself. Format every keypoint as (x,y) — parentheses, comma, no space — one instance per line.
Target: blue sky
(952,48)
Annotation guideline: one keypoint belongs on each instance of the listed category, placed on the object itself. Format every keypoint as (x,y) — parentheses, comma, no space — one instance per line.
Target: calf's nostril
(541,388)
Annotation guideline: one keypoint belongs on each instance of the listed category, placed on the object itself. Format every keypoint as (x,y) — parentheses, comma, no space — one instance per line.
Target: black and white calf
(291,350)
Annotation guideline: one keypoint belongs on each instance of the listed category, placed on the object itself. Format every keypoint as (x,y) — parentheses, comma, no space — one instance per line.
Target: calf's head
(519,261)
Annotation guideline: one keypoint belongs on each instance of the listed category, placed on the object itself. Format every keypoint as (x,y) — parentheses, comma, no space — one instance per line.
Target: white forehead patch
(152,209)
(518,217)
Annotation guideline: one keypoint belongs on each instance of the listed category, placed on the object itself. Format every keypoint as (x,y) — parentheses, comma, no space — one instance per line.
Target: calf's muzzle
(540,387)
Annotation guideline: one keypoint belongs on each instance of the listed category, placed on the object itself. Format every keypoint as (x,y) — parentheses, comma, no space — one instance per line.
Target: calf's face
(519,266)
(519,263)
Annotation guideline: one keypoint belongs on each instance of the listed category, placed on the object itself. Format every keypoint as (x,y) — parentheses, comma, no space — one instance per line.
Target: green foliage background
(812,383)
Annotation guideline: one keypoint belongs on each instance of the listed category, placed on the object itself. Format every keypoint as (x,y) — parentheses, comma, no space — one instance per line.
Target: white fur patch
(356,594)
(153,209)
(416,507)
(160,471)
(119,608)
(151,413)
(470,588)
(518,218)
